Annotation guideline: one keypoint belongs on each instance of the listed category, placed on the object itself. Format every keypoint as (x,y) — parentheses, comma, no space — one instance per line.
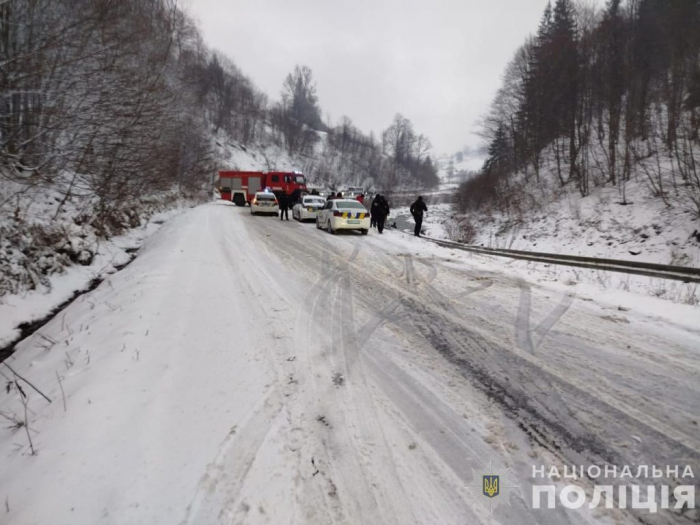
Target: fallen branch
(31,385)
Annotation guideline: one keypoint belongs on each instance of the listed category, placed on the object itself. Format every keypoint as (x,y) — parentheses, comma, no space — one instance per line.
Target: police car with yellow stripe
(343,214)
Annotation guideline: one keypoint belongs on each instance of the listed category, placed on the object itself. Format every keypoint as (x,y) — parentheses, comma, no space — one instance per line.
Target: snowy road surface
(247,371)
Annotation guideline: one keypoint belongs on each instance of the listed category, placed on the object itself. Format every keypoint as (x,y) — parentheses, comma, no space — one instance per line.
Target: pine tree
(535,113)
(500,153)
(565,79)
(612,36)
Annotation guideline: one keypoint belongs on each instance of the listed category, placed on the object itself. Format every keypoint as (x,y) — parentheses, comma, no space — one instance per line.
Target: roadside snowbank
(62,284)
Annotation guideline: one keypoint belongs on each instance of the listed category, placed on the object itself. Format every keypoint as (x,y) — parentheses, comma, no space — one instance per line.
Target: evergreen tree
(612,37)
(535,115)
(564,78)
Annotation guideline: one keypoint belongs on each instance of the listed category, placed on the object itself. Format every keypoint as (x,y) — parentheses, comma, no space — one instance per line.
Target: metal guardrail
(662,271)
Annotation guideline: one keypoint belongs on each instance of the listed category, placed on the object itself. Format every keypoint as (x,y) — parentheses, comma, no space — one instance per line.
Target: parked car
(343,214)
(264,202)
(308,207)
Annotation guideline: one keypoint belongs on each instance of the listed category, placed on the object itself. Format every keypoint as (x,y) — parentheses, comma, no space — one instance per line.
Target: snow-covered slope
(453,169)
(600,226)
(542,216)
(232,155)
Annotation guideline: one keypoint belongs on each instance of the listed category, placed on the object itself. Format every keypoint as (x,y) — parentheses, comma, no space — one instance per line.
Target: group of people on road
(379,210)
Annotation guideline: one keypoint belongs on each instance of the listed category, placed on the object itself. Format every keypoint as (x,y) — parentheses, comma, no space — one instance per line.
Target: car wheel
(364,232)
(318,224)
(330,228)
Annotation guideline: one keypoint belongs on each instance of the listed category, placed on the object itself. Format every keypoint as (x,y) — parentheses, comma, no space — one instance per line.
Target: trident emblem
(491,486)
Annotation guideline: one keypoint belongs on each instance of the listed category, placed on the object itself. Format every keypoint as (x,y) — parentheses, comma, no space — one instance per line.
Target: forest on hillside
(110,101)
(598,97)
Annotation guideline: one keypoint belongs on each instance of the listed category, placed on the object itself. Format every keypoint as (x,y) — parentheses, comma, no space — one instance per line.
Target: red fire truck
(240,187)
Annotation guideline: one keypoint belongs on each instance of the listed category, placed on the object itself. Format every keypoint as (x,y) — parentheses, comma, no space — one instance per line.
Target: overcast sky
(436,62)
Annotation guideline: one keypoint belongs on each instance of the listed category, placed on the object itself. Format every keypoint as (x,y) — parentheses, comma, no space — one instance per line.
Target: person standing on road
(417,210)
(361,198)
(373,211)
(381,211)
(284,206)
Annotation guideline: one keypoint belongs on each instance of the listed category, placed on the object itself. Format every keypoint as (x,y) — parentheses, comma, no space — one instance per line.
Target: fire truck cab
(240,187)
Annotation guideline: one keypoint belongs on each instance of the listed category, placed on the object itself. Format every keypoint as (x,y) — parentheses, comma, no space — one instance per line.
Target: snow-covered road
(244,370)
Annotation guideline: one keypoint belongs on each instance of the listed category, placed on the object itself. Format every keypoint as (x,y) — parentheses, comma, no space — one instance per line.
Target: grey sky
(438,63)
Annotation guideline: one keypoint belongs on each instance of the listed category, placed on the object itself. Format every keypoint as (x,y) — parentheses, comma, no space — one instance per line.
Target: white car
(308,207)
(343,214)
(264,202)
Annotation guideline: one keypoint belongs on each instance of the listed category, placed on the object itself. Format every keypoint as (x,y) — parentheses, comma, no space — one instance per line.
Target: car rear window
(265,197)
(314,201)
(350,205)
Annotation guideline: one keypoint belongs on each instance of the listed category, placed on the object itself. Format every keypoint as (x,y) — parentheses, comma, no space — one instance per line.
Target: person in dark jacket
(417,210)
(284,206)
(381,211)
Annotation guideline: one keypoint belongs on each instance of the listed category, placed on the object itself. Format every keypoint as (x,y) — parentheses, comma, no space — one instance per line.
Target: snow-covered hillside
(542,216)
(232,155)
(455,168)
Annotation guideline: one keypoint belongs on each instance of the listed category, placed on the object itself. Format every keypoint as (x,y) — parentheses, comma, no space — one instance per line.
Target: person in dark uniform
(284,206)
(418,208)
(381,211)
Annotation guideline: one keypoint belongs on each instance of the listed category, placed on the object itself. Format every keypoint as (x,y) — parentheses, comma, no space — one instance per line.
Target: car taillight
(336,213)
(255,201)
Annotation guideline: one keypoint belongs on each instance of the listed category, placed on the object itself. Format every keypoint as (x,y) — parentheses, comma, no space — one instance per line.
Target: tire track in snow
(536,398)
(443,430)
(483,286)
(361,415)
(226,475)
(292,393)
(313,343)
(353,425)
(545,400)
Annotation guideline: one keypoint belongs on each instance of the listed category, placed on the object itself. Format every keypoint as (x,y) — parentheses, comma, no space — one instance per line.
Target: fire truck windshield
(300,179)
